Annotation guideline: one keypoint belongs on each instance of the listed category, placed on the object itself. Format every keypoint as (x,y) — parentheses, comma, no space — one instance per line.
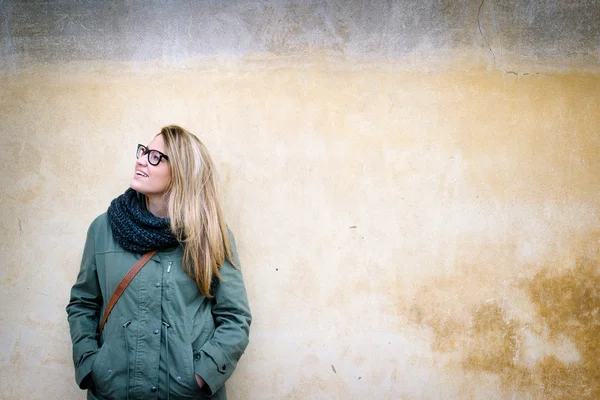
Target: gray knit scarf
(135,228)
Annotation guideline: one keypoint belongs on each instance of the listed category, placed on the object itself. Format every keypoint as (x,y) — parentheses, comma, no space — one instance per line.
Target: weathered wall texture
(413,185)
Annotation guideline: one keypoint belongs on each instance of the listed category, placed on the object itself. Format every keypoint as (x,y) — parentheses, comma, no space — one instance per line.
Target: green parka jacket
(161,332)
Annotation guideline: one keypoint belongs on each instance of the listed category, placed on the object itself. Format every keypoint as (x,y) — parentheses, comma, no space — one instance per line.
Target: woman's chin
(135,185)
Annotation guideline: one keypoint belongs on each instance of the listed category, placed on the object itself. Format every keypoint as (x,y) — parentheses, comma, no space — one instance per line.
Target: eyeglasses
(154,156)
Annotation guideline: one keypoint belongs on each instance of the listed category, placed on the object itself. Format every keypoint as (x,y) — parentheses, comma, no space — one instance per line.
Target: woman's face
(152,180)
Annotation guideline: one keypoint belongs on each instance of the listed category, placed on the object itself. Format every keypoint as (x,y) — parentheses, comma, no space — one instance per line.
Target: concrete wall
(413,185)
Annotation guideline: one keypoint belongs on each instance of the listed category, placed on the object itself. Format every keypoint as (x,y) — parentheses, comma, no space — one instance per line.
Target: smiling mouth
(138,173)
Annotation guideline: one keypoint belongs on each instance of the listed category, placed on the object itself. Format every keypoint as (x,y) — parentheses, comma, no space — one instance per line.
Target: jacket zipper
(125,325)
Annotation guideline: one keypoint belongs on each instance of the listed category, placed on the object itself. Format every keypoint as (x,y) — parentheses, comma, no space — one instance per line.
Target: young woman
(182,324)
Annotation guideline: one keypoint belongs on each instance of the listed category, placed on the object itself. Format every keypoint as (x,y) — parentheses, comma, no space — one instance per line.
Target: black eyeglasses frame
(146,151)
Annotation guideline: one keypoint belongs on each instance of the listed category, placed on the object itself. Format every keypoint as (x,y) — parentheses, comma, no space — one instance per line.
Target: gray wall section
(557,33)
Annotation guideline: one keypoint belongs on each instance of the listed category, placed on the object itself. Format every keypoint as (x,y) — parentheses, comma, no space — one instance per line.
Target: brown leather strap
(124,283)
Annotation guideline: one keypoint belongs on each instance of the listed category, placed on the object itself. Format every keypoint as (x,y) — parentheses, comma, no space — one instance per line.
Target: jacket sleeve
(83,313)
(218,356)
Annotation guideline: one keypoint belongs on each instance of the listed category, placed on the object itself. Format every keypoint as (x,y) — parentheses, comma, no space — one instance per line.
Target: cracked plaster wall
(413,185)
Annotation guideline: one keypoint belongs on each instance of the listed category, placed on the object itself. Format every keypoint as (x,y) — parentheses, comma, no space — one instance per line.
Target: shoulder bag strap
(124,283)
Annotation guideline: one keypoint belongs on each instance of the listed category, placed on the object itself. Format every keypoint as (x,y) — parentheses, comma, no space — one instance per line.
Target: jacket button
(157,284)
(153,389)
(156,331)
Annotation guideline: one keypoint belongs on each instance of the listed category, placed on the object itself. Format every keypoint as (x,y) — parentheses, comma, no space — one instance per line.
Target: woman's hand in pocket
(200,381)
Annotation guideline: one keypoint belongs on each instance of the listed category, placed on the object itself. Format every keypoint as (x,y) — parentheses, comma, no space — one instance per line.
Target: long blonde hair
(194,209)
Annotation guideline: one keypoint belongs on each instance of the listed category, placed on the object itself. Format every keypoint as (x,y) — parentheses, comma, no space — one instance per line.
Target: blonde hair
(194,209)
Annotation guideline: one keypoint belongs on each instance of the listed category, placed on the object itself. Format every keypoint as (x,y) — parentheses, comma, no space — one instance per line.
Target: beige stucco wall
(411,228)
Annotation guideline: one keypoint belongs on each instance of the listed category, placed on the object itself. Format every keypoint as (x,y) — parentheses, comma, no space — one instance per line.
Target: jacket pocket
(101,371)
(110,366)
(182,378)
(181,288)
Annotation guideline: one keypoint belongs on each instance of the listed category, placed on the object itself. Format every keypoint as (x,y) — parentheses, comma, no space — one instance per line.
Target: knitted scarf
(135,228)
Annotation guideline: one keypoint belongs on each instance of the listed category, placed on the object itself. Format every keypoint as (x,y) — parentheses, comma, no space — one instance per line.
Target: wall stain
(491,340)
(445,339)
(568,303)
(493,346)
